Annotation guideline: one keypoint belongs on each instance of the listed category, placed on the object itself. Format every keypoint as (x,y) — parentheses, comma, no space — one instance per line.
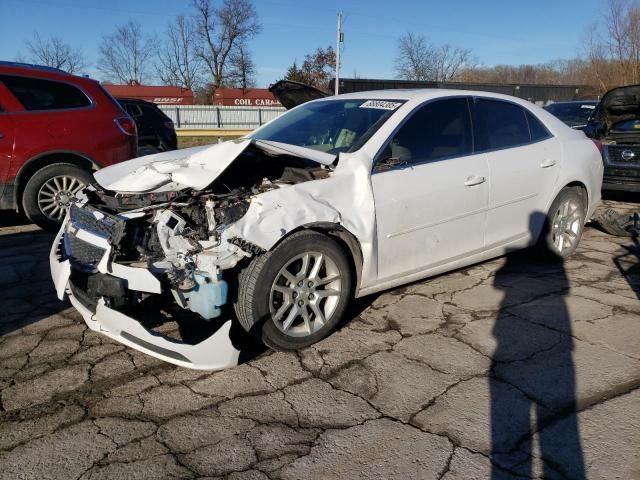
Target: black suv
(156,132)
(616,123)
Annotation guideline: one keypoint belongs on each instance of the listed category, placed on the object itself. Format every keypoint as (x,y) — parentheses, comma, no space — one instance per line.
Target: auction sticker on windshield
(381,104)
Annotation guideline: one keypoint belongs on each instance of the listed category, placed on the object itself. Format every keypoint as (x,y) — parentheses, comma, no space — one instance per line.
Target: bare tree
(54,52)
(418,59)
(412,62)
(220,30)
(177,63)
(449,61)
(243,70)
(613,44)
(127,54)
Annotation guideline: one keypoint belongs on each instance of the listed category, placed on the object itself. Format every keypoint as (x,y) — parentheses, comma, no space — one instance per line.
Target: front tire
(296,294)
(49,192)
(564,224)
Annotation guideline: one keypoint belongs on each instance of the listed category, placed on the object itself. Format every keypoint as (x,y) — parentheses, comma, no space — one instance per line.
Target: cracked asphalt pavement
(509,369)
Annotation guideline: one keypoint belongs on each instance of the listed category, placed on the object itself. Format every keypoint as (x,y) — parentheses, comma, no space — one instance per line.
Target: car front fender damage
(271,217)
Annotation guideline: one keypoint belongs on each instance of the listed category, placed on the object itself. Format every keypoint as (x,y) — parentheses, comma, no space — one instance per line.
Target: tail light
(599,146)
(169,125)
(126,125)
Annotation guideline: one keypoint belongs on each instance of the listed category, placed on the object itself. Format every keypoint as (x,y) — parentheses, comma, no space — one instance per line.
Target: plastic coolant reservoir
(209,294)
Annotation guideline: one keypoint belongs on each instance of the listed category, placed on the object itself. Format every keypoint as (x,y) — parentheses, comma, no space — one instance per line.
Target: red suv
(55,128)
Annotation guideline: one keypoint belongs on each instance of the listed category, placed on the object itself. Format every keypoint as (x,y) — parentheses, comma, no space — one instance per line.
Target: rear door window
(38,94)
(498,125)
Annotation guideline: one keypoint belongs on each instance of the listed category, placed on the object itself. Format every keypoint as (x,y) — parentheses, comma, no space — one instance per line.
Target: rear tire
(48,193)
(296,294)
(564,224)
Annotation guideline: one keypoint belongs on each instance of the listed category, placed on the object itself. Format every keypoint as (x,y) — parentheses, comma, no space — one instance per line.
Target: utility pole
(339,40)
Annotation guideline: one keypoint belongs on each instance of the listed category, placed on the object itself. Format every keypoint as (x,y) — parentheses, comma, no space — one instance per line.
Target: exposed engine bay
(178,235)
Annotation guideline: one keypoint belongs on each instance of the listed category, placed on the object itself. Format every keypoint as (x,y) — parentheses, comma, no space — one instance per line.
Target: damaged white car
(339,197)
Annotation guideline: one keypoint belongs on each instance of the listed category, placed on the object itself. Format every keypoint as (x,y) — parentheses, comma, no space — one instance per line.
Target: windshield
(573,114)
(330,126)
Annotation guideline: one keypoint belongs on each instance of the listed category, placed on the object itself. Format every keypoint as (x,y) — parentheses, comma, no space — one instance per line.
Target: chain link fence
(208,117)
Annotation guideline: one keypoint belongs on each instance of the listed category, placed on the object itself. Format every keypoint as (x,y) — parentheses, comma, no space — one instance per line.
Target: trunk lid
(619,105)
(291,94)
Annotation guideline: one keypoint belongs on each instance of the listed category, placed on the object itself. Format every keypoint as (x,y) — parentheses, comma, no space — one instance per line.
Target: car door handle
(474,180)
(548,163)
(1,135)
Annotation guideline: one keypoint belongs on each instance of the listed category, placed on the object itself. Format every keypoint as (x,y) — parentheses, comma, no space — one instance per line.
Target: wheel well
(35,164)
(343,237)
(582,187)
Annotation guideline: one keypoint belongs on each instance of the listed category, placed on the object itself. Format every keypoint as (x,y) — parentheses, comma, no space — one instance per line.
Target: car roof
(33,67)
(420,94)
(42,71)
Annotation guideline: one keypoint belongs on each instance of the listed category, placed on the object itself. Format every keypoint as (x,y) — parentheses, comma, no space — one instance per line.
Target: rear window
(39,94)
(499,124)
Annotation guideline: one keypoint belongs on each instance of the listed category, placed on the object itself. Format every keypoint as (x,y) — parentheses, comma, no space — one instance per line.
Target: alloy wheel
(56,194)
(566,225)
(305,294)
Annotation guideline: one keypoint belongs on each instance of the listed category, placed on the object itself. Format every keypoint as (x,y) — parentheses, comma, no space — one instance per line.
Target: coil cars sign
(245,97)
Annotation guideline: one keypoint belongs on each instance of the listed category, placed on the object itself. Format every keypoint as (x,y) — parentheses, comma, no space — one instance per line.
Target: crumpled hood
(194,168)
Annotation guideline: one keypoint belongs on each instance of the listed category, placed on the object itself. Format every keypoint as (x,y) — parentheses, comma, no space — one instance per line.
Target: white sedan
(340,197)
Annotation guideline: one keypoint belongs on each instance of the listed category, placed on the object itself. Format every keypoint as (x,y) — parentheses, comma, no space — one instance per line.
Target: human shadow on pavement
(545,382)
(628,264)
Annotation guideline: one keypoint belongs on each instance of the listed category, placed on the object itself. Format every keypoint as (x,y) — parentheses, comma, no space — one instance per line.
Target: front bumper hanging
(214,353)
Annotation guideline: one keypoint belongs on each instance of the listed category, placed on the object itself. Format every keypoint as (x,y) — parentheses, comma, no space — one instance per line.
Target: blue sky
(533,31)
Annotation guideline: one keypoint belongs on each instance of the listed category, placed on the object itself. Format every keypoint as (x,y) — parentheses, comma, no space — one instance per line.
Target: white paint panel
(521,187)
(426,214)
